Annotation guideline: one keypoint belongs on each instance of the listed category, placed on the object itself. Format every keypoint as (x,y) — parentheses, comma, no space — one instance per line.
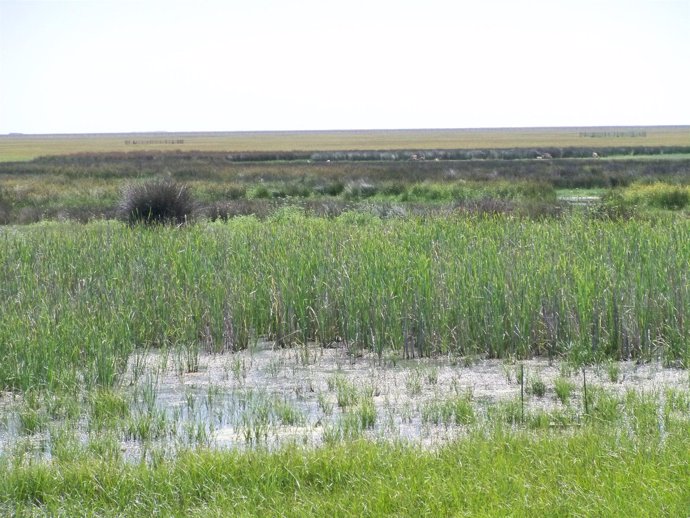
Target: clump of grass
(455,410)
(346,392)
(538,387)
(106,407)
(603,406)
(325,405)
(613,369)
(161,201)
(348,428)
(286,413)
(541,420)
(563,389)
(413,382)
(367,413)
(432,376)
(509,412)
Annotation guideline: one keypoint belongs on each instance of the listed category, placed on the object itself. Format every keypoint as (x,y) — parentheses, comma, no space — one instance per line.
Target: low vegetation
(86,187)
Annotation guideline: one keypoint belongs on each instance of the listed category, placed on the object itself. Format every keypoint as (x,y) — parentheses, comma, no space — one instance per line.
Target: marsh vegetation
(304,331)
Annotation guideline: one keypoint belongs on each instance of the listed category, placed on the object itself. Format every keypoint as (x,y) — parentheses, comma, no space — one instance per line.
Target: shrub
(360,189)
(235,192)
(259,192)
(332,189)
(156,202)
(673,199)
(4,209)
(658,195)
(614,206)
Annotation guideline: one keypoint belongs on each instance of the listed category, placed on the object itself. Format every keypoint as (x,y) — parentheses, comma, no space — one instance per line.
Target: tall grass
(75,300)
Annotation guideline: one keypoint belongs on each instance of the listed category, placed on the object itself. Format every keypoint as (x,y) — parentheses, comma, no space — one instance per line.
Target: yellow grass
(26,147)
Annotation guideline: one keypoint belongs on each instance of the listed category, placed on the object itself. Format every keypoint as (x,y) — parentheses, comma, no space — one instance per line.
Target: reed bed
(77,300)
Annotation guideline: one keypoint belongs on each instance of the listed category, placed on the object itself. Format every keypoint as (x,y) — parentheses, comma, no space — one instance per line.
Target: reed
(76,301)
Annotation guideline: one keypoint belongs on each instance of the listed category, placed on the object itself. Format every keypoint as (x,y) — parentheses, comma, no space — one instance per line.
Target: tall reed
(76,300)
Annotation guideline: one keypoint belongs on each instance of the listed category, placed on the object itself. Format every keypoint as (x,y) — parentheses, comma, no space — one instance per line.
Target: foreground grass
(592,472)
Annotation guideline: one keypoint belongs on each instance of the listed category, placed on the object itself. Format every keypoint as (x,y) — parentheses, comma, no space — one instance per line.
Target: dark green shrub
(393,188)
(674,198)
(4,208)
(331,189)
(538,387)
(359,190)
(162,201)
(614,206)
(298,190)
(236,192)
(260,192)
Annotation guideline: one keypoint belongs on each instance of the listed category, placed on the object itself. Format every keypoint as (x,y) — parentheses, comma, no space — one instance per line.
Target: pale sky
(125,65)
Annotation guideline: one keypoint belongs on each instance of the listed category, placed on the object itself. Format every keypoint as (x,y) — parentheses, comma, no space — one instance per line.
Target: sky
(98,66)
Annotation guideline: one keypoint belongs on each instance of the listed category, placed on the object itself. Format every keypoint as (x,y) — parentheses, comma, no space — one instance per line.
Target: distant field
(26,147)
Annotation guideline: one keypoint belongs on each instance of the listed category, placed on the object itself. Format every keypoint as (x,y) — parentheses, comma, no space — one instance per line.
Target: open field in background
(27,147)
(493,335)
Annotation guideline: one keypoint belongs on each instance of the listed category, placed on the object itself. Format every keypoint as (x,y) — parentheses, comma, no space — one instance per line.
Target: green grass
(75,301)
(593,472)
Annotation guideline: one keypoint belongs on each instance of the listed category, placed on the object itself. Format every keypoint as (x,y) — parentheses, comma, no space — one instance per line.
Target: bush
(614,206)
(359,190)
(259,192)
(658,195)
(156,202)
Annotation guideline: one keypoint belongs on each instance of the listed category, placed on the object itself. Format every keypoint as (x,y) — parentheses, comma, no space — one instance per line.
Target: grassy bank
(596,471)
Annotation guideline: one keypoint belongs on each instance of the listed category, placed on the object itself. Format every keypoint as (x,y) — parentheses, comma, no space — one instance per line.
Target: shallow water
(303,379)
(265,397)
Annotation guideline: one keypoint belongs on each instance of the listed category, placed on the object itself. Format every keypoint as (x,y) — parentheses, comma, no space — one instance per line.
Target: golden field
(26,147)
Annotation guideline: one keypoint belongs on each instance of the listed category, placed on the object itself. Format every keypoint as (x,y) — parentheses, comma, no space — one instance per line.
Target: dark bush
(331,189)
(156,202)
(236,192)
(673,198)
(614,206)
(260,192)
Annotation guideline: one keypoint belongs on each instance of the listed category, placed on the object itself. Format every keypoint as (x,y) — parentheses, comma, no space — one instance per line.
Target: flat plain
(25,147)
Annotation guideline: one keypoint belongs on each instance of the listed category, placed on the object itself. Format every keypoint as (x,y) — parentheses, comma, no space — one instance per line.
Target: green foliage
(615,206)
(658,195)
(538,387)
(76,300)
(456,410)
(563,389)
(590,473)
